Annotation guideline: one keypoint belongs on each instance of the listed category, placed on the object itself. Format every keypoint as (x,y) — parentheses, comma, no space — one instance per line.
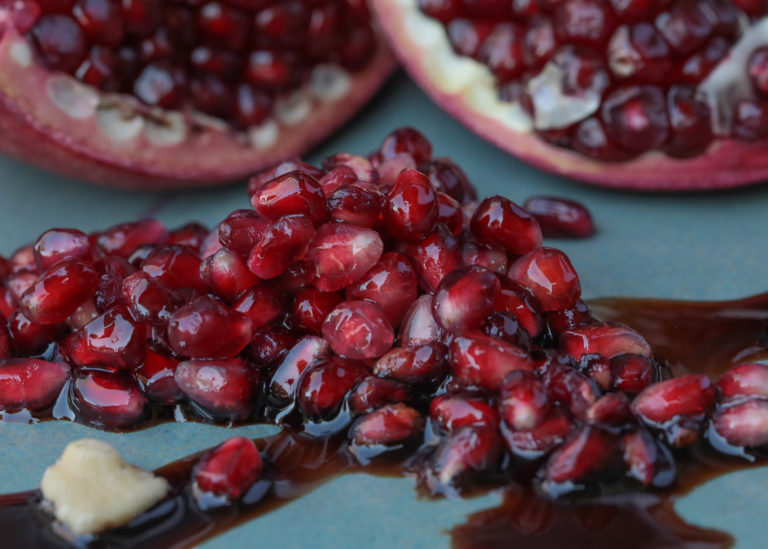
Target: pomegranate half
(637,94)
(180,93)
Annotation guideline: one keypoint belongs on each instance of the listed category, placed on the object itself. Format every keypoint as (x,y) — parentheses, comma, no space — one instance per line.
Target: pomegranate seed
(434,257)
(407,141)
(677,406)
(442,10)
(324,386)
(639,51)
(28,337)
(113,340)
(690,123)
(335,179)
(502,51)
(57,245)
(30,383)
(549,275)
(485,362)
(598,369)
(59,41)
(224,388)
(125,238)
(686,26)
(742,424)
(583,21)
(100,21)
(191,235)
(5,339)
(226,274)
(757,67)
(107,399)
(290,165)
(750,119)
(422,365)
(390,424)
(505,327)
(524,403)
(540,440)
(306,352)
(635,118)
(242,230)
(205,328)
(114,269)
(520,302)
(744,380)
(290,194)
(340,254)
(603,338)
(647,460)
(559,217)
(311,307)
(568,386)
(295,277)
(283,243)
(374,392)
(229,469)
(260,304)
(493,259)
(411,209)
(23,259)
(58,292)
(465,298)
(7,302)
(631,374)
(419,326)
(156,378)
(177,267)
(568,319)
(586,452)
(453,412)
(22,16)
(358,203)
(268,346)
(148,300)
(467,451)
(502,223)
(613,409)
(449,213)
(19,282)
(539,42)
(359,165)
(358,330)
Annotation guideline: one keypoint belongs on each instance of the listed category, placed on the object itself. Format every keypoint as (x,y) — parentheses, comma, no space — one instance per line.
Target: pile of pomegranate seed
(229,59)
(613,79)
(372,298)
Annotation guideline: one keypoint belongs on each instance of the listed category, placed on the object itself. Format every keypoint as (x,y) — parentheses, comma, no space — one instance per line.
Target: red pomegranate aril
(388,425)
(568,319)
(336,178)
(539,42)
(107,399)
(7,302)
(340,254)
(560,218)
(493,259)
(295,277)
(467,451)
(18,282)
(324,386)
(290,194)
(114,269)
(647,460)
(465,298)
(32,384)
(506,327)
(588,22)
(357,203)
(452,412)
(59,41)
(22,15)
(743,424)
(434,257)
(5,339)
(23,259)
(549,275)
(27,337)
(228,470)
(226,274)
(155,376)
(639,51)
(359,165)
(423,365)
(408,141)
(160,84)
(373,392)
(206,328)
(635,118)
(448,178)
(612,409)
(242,230)
(283,243)
(268,346)
(484,362)
(523,403)
(631,373)
(685,25)
(598,369)
(520,302)
(311,307)
(683,397)
(502,51)
(224,388)
(59,291)
(177,267)
(750,119)
(57,245)
(689,121)
(260,304)
(466,36)
(358,330)
(141,16)
(411,209)
(419,326)
(571,388)
(500,222)
(757,68)
(113,340)
(123,239)
(100,21)
(306,352)
(603,338)
(291,165)
(149,300)
(743,381)
(542,439)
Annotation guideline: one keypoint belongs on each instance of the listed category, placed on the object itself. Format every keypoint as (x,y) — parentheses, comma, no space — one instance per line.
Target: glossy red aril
(106,399)
(500,222)
(452,412)
(358,203)
(261,304)
(469,450)
(419,326)
(206,328)
(434,257)
(113,340)
(29,338)
(390,424)
(647,460)
(360,167)
(340,254)
(485,362)
(559,217)
(540,440)
(285,380)
(406,141)
(290,194)
(612,409)
(374,392)
(520,302)
(571,388)
(58,292)
(283,243)
(268,345)
(358,330)
(465,298)
(743,424)
(226,274)
(416,366)
(568,319)
(155,376)
(57,245)
(177,267)
(311,307)
(743,381)
(114,269)
(148,300)
(523,402)
(242,230)
(30,383)
(323,388)
(493,259)
(631,373)
(229,469)
(603,338)
(411,209)
(225,389)
(123,239)
(549,275)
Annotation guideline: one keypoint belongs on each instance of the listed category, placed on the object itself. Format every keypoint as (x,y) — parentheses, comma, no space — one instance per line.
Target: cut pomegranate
(150,95)
(591,89)
(359,330)
(224,388)
(30,383)
(229,469)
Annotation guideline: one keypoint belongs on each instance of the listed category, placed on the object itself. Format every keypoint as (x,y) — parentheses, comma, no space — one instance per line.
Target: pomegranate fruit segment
(162,94)
(646,95)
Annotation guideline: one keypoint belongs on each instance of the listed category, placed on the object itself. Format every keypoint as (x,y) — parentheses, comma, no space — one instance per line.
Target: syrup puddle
(693,337)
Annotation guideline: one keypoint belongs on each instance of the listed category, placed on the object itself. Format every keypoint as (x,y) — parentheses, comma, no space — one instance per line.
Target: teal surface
(704,246)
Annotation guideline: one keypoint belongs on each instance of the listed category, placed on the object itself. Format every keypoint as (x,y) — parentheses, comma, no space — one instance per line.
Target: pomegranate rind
(727,162)
(152,149)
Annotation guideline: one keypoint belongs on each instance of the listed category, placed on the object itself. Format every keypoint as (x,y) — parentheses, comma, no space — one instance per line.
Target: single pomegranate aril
(571,388)
(283,243)
(311,307)
(242,230)
(524,402)
(568,319)
(30,383)
(27,337)
(358,330)
(224,388)
(407,141)
(229,469)
(540,440)
(388,425)
(57,245)
(742,424)
(114,269)
(411,209)
(448,178)
(177,267)
(259,303)
(743,381)
(19,282)
(603,338)
(58,292)
(374,392)
(391,284)
(267,346)
(415,366)
(434,257)
(226,274)
(613,409)
(340,254)
(452,412)
(549,275)
(465,298)
(647,460)
(148,300)
(123,239)
(631,373)
(560,218)
(306,352)
(290,194)
(500,222)
(106,399)
(484,362)
(419,326)
(449,213)
(493,259)
(521,303)
(113,340)
(358,203)
(323,388)
(206,328)
(156,377)
(505,327)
